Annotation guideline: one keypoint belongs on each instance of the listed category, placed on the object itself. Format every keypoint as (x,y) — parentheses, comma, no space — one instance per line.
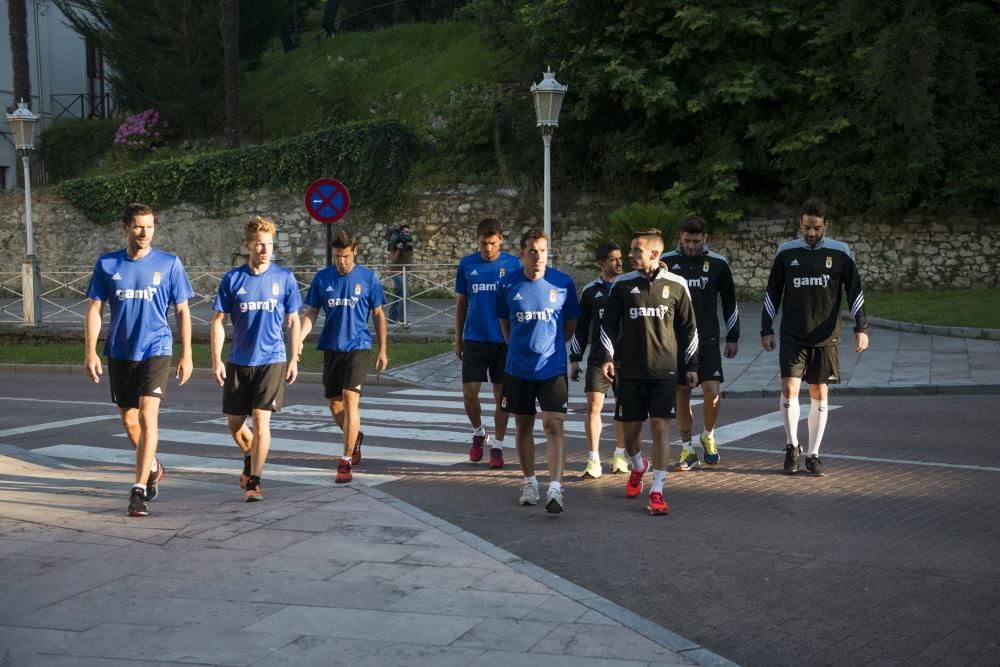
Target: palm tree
(17,14)
(230,26)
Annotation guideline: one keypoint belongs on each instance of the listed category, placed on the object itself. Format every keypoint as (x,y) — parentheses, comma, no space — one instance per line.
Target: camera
(397,238)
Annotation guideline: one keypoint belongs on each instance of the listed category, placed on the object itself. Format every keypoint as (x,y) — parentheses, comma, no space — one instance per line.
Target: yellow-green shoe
(619,464)
(593,469)
(711,451)
(688,459)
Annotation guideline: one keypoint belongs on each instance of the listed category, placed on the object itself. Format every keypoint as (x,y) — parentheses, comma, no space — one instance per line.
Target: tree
(17,16)
(230,26)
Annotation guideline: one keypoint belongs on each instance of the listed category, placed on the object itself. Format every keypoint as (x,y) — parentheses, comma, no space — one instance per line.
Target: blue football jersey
(347,301)
(139,291)
(258,305)
(477,279)
(536,310)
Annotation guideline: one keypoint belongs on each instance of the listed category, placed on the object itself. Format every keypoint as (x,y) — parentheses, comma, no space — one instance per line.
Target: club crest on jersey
(502,271)
(156,278)
(552,295)
(829,262)
(357,289)
(275,289)
(666,291)
(704,267)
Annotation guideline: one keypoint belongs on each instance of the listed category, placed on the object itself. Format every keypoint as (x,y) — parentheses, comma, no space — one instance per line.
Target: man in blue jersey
(538,308)
(479,343)
(139,283)
(348,294)
(259,298)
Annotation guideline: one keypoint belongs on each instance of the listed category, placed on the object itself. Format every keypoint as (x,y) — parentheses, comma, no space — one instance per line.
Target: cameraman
(400,255)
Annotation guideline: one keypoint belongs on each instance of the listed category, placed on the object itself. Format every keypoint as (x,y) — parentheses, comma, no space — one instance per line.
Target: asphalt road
(891,558)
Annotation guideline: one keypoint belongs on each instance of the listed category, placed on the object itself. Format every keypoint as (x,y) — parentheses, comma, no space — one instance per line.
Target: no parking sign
(327,200)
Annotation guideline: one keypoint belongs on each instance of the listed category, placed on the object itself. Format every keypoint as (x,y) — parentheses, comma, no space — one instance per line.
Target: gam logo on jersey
(700,283)
(275,289)
(146,294)
(812,281)
(483,287)
(648,311)
(270,305)
(535,315)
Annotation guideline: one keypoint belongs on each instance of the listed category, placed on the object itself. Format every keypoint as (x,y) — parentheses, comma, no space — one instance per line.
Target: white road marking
(441,393)
(188,464)
(318,447)
(55,425)
(437,418)
(278,424)
(103,404)
(747,427)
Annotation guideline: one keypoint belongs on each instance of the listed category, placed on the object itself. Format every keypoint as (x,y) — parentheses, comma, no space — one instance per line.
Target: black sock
(246,464)
(254,479)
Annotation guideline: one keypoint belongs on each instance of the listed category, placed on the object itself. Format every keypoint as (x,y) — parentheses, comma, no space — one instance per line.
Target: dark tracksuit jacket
(645,323)
(810,280)
(592,302)
(708,276)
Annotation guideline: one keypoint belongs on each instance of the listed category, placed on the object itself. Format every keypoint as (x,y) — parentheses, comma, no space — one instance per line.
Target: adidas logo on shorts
(716,373)
(157,391)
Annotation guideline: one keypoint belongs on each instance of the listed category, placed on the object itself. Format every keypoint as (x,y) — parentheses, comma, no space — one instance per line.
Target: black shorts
(132,379)
(480,358)
(709,364)
(344,370)
(638,399)
(815,365)
(249,388)
(595,380)
(519,395)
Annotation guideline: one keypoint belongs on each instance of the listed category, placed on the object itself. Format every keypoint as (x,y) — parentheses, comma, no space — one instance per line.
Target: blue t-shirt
(258,305)
(537,310)
(477,279)
(347,301)
(139,291)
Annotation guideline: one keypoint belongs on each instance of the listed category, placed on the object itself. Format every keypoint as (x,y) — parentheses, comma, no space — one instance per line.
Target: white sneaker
(554,501)
(529,495)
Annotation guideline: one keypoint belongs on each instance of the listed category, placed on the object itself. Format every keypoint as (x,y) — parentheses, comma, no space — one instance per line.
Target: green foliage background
(374,158)
(70,147)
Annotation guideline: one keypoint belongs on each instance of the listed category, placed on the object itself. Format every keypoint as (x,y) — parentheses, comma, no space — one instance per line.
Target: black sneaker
(791,459)
(137,505)
(152,482)
(814,465)
(356,454)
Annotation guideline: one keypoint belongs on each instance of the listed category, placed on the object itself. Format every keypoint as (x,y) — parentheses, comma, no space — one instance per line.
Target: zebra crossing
(403,428)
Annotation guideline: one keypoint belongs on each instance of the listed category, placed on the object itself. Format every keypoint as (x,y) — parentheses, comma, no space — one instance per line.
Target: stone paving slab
(278,583)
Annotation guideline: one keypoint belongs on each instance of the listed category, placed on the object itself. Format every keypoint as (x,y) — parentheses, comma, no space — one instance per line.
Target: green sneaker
(711,452)
(619,464)
(593,469)
(688,459)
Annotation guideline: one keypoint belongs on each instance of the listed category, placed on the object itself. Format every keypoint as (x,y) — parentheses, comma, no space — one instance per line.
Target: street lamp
(548,101)
(22,124)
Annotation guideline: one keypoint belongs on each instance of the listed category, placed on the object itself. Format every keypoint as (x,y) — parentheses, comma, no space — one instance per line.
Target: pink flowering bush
(142,131)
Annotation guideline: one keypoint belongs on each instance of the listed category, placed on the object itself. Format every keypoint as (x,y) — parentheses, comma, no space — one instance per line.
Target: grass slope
(954,308)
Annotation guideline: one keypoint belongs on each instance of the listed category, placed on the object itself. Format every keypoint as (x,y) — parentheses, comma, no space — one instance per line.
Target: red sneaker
(633,486)
(657,505)
(244,478)
(496,458)
(356,454)
(476,451)
(343,472)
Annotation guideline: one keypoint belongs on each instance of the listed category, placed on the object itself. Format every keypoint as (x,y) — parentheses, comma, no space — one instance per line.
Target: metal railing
(83,105)
(429,306)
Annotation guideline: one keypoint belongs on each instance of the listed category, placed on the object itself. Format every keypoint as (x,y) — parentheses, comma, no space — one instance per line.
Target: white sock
(708,434)
(137,485)
(345,458)
(659,477)
(637,461)
(531,480)
(154,466)
(555,486)
(497,444)
(790,417)
(595,456)
(479,430)
(817,424)
(619,451)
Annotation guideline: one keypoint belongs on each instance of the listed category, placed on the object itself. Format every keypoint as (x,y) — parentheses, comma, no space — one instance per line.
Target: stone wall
(916,254)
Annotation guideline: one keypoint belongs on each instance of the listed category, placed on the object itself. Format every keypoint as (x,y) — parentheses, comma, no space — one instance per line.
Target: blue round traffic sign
(327,200)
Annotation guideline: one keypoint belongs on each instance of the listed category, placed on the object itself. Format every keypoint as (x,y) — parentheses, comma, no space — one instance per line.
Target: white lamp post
(548,101)
(22,124)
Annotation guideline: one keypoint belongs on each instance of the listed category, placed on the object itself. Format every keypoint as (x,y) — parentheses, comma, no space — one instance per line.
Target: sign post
(327,201)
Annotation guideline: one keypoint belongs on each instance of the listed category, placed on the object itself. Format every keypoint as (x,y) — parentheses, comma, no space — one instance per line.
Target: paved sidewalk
(895,362)
(311,576)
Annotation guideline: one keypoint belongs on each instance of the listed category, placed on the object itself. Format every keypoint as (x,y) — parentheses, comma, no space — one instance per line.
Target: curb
(627,618)
(975,333)
(902,390)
